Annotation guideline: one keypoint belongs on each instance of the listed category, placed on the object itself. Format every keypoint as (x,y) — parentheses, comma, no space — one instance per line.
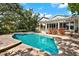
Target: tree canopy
(14,18)
(74,8)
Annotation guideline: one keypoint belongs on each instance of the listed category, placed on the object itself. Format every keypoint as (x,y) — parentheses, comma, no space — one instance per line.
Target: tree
(29,21)
(9,15)
(15,18)
(74,8)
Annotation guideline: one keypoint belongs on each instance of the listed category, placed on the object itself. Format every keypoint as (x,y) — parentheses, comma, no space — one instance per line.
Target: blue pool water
(38,41)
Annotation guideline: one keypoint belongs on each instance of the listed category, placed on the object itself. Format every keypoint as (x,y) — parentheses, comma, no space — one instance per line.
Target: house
(69,23)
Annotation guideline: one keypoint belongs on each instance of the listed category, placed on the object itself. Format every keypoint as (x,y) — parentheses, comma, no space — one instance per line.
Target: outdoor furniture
(49,31)
(61,31)
(54,31)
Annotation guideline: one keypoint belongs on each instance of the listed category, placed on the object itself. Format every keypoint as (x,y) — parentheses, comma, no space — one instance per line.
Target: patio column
(58,25)
(69,26)
(46,27)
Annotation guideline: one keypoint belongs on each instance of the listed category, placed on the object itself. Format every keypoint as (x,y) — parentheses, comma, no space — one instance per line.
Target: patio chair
(49,31)
(61,31)
(54,31)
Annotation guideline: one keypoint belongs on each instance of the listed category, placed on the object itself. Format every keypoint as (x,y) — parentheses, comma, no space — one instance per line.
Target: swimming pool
(44,43)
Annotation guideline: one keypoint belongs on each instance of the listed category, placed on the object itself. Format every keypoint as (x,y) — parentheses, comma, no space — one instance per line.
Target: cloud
(63,5)
(48,15)
(59,5)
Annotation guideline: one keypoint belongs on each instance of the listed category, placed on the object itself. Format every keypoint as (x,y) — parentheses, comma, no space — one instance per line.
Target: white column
(46,27)
(58,25)
(69,27)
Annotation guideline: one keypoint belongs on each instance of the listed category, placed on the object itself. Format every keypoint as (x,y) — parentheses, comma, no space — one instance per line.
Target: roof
(58,17)
(44,19)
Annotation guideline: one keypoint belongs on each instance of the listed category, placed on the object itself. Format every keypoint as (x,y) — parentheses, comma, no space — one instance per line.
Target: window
(56,25)
(71,27)
(60,25)
(50,25)
(47,25)
(66,26)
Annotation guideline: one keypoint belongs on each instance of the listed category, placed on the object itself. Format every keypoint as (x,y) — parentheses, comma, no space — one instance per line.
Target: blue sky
(49,9)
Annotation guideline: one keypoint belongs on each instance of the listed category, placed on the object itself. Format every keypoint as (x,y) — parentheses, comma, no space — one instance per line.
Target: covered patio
(69,24)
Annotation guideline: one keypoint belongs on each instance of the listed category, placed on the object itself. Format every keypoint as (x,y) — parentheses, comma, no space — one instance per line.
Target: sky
(49,9)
